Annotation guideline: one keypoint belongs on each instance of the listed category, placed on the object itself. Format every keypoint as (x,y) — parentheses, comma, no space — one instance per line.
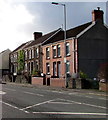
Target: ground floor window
(67,67)
(58,68)
(47,68)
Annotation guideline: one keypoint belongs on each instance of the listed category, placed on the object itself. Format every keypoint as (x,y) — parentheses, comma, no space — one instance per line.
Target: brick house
(85,48)
(33,52)
(13,58)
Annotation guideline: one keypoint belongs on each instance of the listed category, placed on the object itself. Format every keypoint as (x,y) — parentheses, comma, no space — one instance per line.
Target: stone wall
(103,87)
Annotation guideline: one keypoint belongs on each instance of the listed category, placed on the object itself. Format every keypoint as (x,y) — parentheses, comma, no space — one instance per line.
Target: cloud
(13,17)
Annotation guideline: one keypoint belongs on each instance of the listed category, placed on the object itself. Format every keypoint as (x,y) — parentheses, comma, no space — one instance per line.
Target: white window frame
(68,45)
(47,50)
(55,48)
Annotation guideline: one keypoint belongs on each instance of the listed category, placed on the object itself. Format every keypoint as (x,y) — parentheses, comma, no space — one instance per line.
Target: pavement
(84,91)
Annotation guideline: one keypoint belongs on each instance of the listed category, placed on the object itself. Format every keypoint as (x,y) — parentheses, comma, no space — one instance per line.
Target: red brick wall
(103,86)
(51,60)
(57,82)
(37,80)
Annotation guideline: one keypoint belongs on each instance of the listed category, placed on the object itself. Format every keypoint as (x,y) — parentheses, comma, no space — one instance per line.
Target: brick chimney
(37,35)
(97,15)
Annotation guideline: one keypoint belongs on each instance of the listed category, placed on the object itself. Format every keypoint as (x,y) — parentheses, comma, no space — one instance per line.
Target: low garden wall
(37,80)
(57,82)
(103,87)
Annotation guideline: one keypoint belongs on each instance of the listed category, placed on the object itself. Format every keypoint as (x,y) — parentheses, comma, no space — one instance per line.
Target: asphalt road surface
(45,102)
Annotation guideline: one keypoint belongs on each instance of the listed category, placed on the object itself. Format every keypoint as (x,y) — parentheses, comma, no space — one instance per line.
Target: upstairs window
(47,53)
(32,53)
(29,54)
(58,51)
(67,49)
(26,55)
(54,51)
(37,52)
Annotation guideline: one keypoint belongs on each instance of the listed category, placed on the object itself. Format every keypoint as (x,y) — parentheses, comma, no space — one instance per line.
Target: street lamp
(55,3)
(64,17)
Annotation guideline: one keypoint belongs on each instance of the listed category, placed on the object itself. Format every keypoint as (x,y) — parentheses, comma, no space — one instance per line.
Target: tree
(20,61)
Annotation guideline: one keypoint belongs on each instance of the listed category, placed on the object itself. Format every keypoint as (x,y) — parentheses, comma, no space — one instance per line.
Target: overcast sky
(18,20)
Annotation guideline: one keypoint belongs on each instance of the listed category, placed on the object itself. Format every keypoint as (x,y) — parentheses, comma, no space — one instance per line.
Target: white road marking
(70,101)
(98,94)
(37,104)
(60,103)
(10,89)
(84,103)
(71,113)
(2,93)
(102,98)
(10,105)
(34,94)
(13,107)
(88,96)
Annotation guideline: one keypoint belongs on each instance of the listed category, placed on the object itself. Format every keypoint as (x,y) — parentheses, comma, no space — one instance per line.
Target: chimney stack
(37,35)
(97,15)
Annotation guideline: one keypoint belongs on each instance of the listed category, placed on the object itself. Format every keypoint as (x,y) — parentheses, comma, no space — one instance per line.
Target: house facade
(85,49)
(33,52)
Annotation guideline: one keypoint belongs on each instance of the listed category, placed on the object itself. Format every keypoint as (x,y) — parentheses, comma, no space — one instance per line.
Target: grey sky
(28,17)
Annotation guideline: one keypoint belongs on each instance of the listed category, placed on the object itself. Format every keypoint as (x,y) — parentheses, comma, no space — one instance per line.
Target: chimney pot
(97,15)
(98,8)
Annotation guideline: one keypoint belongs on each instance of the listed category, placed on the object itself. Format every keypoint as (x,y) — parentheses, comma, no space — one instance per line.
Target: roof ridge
(79,26)
(53,34)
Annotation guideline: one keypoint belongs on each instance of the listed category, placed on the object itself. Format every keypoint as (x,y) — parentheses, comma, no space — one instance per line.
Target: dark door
(48,81)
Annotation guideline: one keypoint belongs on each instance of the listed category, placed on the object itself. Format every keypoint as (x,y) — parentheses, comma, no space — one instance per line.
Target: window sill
(47,58)
(59,56)
(47,73)
(68,55)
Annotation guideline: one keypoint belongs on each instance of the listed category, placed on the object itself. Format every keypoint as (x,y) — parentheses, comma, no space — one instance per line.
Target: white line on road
(71,113)
(13,107)
(2,93)
(33,94)
(60,103)
(10,105)
(37,104)
(10,89)
(84,103)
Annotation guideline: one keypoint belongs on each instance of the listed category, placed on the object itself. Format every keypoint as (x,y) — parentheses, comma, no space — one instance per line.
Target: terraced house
(33,52)
(85,49)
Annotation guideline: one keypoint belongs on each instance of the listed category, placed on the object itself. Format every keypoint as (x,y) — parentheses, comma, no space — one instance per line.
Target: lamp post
(55,3)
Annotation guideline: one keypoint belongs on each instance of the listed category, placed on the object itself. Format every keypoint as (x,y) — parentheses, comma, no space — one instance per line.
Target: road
(43,102)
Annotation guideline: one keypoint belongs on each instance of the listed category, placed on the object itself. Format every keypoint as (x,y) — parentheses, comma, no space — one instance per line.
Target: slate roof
(75,31)
(44,38)
(54,36)
(22,45)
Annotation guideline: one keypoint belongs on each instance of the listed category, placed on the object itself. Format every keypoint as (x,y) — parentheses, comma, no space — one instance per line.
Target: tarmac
(83,91)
